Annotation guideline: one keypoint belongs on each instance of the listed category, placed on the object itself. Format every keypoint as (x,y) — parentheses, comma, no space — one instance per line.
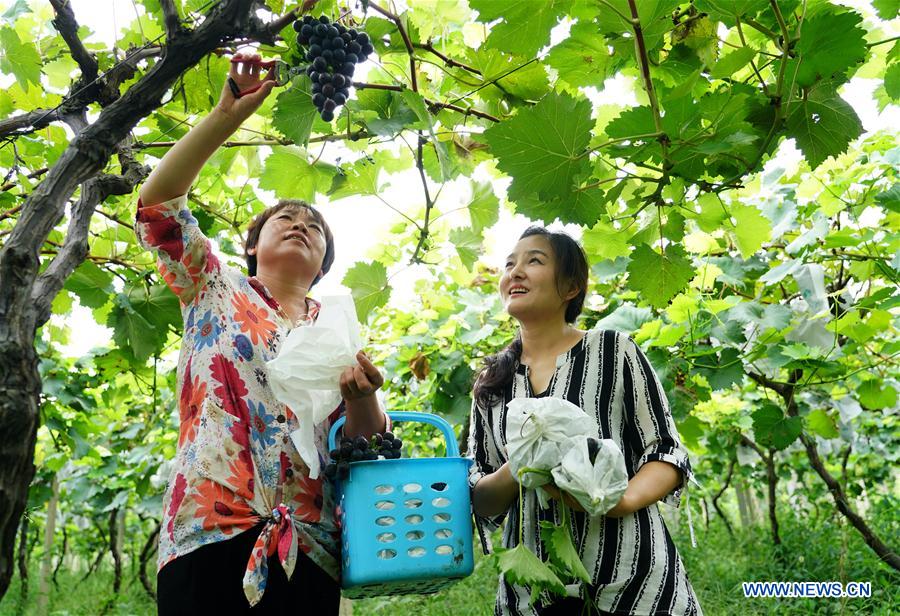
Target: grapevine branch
(644,60)
(787,392)
(428,46)
(423,230)
(772,478)
(718,495)
(406,41)
(432,105)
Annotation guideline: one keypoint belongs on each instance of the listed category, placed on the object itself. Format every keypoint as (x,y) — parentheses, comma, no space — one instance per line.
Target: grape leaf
(892,81)
(581,207)
(712,212)
(360,178)
(890,198)
(159,307)
(769,316)
(829,44)
(484,208)
(468,245)
(415,102)
(659,277)
(655,17)
(887,9)
(91,284)
(727,10)
(393,113)
(627,319)
(526,24)
(562,551)
(509,75)
(20,59)
(543,147)
(294,112)
(872,395)
(581,59)
(773,429)
(821,423)
(133,334)
(290,175)
(631,123)
(18,8)
(733,62)
(822,123)
(519,565)
(751,228)
(724,371)
(369,286)
(603,241)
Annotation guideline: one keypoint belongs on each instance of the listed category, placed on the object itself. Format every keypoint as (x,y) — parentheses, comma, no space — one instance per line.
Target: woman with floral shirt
(245,529)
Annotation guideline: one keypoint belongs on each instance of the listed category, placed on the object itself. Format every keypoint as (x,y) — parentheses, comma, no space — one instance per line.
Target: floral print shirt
(235,466)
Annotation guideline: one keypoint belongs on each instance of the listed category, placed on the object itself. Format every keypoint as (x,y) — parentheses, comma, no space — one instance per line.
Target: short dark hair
(256,226)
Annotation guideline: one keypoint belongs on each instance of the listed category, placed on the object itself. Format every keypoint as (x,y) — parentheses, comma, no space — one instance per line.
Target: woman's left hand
(361,380)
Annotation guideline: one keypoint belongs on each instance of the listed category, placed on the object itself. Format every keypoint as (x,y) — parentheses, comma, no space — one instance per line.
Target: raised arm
(180,166)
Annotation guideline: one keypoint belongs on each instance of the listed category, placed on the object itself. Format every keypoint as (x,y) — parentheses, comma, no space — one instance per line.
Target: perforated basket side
(418,587)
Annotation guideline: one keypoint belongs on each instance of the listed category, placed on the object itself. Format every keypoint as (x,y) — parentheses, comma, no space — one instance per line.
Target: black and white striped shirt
(632,560)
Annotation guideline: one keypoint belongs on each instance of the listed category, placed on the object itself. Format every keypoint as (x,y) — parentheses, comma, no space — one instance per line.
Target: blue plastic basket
(406,525)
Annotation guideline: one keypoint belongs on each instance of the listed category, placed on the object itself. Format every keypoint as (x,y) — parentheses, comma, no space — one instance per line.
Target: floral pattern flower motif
(190,405)
(253,319)
(220,508)
(307,502)
(176,497)
(244,347)
(208,330)
(264,431)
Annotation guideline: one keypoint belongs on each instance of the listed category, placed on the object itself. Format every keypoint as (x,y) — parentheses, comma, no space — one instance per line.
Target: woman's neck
(547,338)
(290,295)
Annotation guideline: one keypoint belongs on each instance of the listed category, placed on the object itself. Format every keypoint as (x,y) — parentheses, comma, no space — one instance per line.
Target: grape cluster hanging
(333,51)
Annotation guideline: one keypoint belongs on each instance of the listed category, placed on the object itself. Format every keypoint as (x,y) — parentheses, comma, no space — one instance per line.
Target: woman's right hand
(495,493)
(246,75)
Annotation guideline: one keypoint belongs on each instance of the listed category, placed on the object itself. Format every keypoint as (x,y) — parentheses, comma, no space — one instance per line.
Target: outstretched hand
(245,72)
(360,380)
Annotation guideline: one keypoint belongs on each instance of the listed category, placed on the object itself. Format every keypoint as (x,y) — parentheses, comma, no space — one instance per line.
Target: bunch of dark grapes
(333,51)
(380,447)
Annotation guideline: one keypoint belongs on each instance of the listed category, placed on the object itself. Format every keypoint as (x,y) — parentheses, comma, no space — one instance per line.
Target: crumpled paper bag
(537,435)
(306,373)
(597,486)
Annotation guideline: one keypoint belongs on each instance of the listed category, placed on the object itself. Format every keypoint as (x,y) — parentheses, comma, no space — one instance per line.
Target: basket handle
(429,418)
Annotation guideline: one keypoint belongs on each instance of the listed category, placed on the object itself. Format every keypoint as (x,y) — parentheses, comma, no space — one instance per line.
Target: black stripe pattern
(633,561)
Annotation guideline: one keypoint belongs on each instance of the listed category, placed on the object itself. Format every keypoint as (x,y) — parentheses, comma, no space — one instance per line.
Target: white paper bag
(597,486)
(537,432)
(306,373)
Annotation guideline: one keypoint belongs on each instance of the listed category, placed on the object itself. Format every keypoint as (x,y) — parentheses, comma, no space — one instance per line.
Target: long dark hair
(571,270)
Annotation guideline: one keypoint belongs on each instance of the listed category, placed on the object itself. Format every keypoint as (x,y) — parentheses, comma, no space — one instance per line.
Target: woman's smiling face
(528,285)
(292,238)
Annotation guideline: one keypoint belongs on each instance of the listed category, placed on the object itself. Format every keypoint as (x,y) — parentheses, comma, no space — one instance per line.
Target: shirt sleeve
(184,256)
(650,424)
(486,459)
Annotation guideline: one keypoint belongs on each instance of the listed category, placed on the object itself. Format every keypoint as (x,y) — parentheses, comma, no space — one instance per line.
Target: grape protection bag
(537,434)
(597,485)
(306,373)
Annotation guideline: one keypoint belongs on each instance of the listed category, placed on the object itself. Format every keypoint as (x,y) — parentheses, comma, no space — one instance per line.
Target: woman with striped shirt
(628,552)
